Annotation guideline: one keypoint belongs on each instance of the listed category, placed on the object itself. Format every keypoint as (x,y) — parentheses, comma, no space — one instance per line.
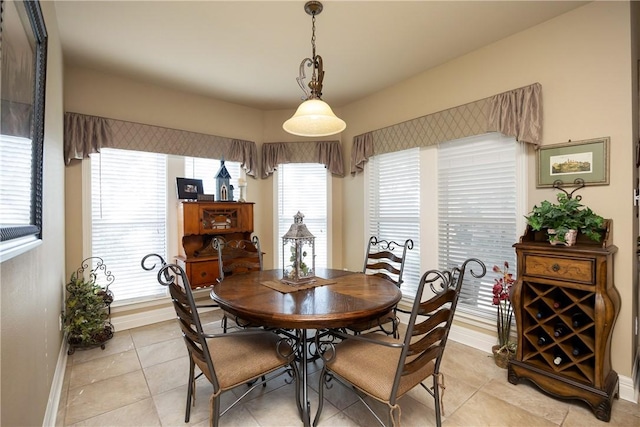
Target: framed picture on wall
(188,189)
(587,160)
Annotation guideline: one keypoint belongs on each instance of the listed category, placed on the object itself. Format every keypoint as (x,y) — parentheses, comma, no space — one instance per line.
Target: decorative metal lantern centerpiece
(298,253)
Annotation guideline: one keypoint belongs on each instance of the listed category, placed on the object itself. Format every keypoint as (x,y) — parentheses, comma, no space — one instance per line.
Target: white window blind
(16,169)
(303,187)
(128,218)
(206,170)
(393,210)
(477,211)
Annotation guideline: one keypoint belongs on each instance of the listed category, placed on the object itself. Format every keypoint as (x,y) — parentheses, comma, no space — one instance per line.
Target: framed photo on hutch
(188,189)
(587,160)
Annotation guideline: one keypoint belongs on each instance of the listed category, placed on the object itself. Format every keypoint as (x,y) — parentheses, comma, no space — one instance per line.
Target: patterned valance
(516,113)
(84,135)
(79,142)
(328,153)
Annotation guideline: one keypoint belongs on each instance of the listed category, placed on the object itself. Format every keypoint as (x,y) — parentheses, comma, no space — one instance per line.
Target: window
(129,218)
(478,210)
(464,196)
(15,180)
(206,170)
(303,187)
(24,59)
(393,207)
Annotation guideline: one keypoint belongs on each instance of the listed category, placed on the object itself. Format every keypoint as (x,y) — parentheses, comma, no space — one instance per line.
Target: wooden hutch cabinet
(201,222)
(565,305)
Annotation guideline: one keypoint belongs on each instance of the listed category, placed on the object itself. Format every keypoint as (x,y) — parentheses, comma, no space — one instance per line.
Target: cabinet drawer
(558,268)
(202,273)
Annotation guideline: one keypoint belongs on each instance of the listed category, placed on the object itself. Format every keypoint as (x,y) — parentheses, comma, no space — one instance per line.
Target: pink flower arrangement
(502,299)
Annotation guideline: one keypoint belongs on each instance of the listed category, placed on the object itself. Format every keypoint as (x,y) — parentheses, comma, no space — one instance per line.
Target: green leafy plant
(567,214)
(294,261)
(85,318)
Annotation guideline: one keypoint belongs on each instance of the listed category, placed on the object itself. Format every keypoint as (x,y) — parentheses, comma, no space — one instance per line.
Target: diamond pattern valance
(516,113)
(141,137)
(328,153)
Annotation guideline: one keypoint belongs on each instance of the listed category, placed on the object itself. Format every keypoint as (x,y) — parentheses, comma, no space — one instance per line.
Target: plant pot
(569,237)
(98,339)
(501,357)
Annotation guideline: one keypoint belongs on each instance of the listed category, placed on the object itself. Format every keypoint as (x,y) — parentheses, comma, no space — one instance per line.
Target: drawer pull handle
(555,267)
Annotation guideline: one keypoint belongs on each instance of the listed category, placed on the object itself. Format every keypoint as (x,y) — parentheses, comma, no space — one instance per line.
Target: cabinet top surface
(564,250)
(195,202)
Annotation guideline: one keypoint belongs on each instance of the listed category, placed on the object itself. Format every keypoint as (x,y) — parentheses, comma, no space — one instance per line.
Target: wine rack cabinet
(565,305)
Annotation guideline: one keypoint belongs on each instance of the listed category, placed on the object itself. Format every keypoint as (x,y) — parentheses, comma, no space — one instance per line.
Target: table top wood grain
(354,297)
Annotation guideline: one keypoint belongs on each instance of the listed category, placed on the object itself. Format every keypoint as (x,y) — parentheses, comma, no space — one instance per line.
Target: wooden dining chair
(386,259)
(237,257)
(386,368)
(227,360)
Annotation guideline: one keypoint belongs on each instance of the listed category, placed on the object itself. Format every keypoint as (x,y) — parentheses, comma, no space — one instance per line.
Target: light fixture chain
(313,35)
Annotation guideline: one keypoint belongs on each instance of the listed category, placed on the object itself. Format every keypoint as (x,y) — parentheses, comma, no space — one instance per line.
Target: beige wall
(31,285)
(95,93)
(583,60)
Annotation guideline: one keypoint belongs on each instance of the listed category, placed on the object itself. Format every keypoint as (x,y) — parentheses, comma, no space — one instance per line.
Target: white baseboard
(122,322)
(55,392)
(627,391)
(484,342)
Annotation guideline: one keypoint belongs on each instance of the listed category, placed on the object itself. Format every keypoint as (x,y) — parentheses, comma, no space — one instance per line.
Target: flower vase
(501,356)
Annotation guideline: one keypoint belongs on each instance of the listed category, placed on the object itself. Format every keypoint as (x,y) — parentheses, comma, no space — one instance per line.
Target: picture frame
(587,160)
(188,188)
(23,82)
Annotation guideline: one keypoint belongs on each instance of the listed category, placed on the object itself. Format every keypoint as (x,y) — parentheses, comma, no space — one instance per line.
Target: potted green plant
(86,313)
(563,220)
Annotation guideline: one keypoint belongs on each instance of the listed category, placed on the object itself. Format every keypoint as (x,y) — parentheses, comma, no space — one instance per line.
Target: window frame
(480,315)
(15,240)
(277,241)
(429,223)
(373,222)
(88,231)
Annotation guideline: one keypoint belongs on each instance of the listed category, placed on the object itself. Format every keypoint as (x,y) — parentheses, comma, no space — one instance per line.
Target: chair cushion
(372,367)
(239,358)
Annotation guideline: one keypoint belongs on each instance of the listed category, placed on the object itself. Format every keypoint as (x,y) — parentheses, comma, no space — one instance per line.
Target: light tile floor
(140,379)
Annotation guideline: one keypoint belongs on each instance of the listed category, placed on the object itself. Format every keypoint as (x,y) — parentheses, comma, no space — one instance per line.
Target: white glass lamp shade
(314,118)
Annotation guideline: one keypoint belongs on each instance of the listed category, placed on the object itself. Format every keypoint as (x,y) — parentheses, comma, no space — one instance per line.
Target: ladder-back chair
(237,257)
(384,258)
(227,360)
(386,368)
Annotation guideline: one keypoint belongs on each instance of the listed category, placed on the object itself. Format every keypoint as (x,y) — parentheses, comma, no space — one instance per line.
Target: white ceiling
(248,52)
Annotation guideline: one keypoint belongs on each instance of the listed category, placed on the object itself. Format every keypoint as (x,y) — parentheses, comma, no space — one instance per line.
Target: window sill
(12,248)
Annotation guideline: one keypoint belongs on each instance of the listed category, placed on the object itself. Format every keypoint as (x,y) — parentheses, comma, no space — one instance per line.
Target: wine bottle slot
(542,313)
(559,330)
(578,320)
(558,359)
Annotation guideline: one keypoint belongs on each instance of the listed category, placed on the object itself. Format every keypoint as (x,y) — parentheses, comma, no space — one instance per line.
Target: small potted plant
(563,220)
(505,349)
(86,316)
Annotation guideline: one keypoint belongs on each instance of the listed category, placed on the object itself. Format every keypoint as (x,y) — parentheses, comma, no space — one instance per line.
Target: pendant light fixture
(314,117)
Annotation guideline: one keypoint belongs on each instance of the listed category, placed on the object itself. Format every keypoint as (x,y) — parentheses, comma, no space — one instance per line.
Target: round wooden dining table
(336,299)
